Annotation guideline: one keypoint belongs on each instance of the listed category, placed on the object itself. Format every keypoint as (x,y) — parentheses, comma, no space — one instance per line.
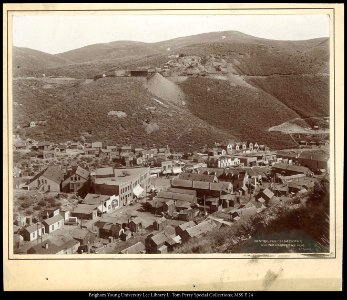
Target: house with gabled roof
(265,194)
(33,232)
(198,230)
(110,229)
(48,180)
(138,248)
(182,227)
(162,242)
(54,223)
(76,180)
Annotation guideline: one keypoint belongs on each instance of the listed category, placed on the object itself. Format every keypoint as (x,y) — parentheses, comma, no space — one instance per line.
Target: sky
(56,34)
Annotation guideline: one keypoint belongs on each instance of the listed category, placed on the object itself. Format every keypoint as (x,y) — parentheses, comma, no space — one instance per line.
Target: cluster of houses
(127,155)
(177,65)
(212,188)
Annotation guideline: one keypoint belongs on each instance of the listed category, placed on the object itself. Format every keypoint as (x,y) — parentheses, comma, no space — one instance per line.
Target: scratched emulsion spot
(270,278)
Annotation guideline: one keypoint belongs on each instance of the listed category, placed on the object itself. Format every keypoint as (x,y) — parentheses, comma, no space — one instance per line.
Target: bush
(50,200)
(28,212)
(26,204)
(42,203)
(37,207)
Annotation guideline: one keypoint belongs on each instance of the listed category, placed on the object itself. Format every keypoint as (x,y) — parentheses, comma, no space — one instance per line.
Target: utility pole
(204,205)
(102,208)
(37,231)
(41,228)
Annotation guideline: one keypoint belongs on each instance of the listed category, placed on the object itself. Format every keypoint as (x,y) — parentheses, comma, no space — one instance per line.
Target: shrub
(50,200)
(28,212)
(37,207)
(26,204)
(42,203)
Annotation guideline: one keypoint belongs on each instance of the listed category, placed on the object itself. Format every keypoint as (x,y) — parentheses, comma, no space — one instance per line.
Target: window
(33,234)
(45,181)
(52,227)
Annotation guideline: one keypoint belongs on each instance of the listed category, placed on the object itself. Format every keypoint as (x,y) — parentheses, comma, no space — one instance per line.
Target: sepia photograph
(171,134)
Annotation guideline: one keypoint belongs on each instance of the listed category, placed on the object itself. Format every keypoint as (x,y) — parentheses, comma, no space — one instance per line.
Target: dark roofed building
(266,194)
(288,170)
(198,177)
(83,236)
(177,196)
(181,191)
(47,247)
(314,160)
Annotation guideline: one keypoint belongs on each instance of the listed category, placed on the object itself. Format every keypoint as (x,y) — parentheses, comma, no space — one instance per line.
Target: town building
(54,223)
(105,204)
(48,180)
(138,248)
(76,180)
(33,232)
(128,184)
(85,212)
(198,230)
(48,247)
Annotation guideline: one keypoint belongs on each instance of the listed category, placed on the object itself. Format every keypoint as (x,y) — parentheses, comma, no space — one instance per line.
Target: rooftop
(197,177)
(95,199)
(84,209)
(134,249)
(53,173)
(53,220)
(181,191)
(104,171)
(200,229)
(294,168)
(41,248)
(32,228)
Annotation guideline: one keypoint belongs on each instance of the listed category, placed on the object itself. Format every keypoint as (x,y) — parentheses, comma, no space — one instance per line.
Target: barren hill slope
(265,83)
(85,108)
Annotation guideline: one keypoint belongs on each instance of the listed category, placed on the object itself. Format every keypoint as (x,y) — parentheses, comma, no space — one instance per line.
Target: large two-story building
(128,184)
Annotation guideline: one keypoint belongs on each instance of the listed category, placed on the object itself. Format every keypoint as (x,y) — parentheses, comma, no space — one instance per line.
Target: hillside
(148,120)
(108,51)
(31,62)
(245,112)
(239,86)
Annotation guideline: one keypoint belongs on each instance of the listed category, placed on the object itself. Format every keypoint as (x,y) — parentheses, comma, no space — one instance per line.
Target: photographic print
(171,134)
